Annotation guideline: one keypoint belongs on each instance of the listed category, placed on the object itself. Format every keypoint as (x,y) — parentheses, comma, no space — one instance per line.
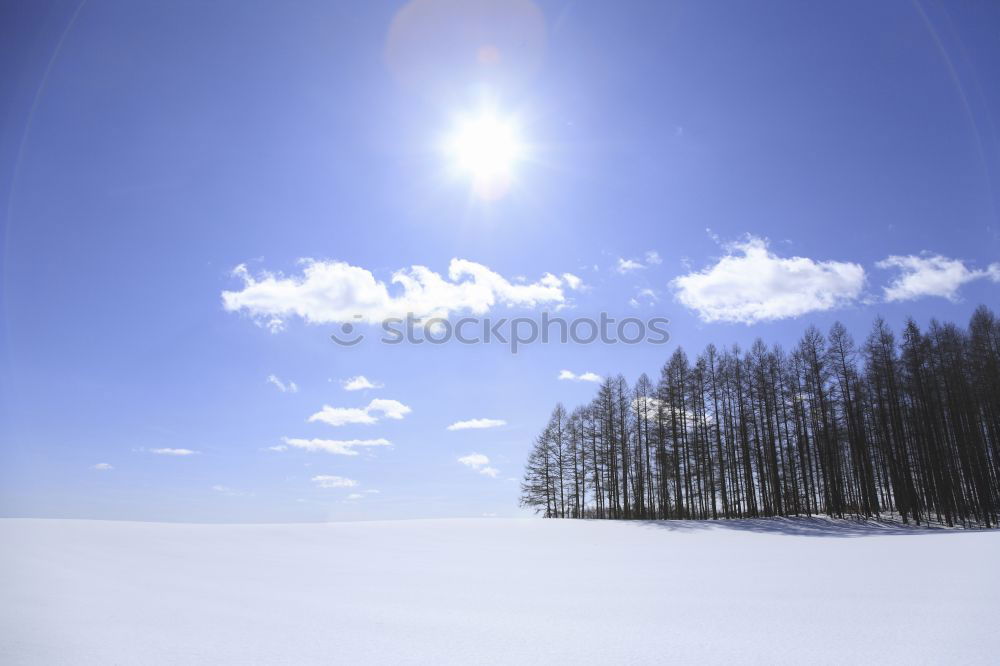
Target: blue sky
(789,163)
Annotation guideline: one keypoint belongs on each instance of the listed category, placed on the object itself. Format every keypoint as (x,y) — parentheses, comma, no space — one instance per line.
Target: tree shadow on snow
(816,526)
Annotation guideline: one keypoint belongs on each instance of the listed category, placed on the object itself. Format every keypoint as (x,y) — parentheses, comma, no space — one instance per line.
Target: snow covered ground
(496,591)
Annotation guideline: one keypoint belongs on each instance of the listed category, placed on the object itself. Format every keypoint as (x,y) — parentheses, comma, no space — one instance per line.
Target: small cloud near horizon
(360,383)
(371,413)
(284,387)
(479,463)
(626,265)
(569,375)
(340,447)
(931,275)
(332,481)
(173,452)
(477,424)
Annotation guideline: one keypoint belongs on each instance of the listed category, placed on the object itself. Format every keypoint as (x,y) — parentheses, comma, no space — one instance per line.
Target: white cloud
(337,292)
(931,275)
(472,424)
(359,383)
(474,460)
(329,481)
(372,491)
(338,416)
(627,265)
(583,377)
(355,496)
(752,284)
(230,492)
(479,463)
(572,281)
(289,387)
(644,297)
(391,409)
(102,467)
(650,403)
(173,452)
(624,266)
(340,447)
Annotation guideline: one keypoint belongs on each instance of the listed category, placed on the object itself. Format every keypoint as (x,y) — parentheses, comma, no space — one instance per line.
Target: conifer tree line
(907,426)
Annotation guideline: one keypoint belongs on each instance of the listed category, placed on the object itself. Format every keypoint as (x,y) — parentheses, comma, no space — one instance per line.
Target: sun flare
(487,148)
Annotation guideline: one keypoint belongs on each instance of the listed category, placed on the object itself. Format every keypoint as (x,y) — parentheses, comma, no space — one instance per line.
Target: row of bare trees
(908,427)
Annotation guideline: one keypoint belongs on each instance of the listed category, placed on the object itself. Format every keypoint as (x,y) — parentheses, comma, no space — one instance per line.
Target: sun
(487,147)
